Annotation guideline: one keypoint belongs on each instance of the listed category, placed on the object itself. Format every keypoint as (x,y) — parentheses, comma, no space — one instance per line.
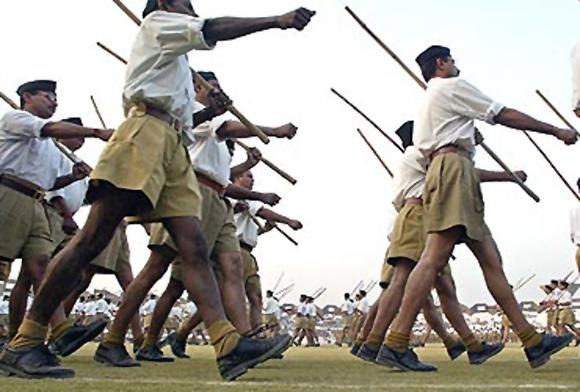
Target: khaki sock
(182,333)
(374,341)
(149,340)
(223,337)
(113,338)
(61,329)
(530,337)
(473,344)
(29,334)
(397,341)
(448,341)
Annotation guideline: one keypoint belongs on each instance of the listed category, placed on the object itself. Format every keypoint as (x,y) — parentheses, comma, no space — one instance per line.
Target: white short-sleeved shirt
(73,194)
(311,309)
(148,307)
(209,153)
(158,70)
(176,312)
(576,76)
(409,180)
(191,308)
(24,153)
(447,115)
(565,297)
(79,308)
(271,306)
(102,306)
(302,309)
(91,308)
(246,229)
(575,225)
(363,306)
(3,307)
(347,307)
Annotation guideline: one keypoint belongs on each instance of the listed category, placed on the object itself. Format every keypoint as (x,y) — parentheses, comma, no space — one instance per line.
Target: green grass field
(316,369)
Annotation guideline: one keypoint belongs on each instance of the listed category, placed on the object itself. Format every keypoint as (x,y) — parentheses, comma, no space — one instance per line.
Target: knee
(35,269)
(254,298)
(231,267)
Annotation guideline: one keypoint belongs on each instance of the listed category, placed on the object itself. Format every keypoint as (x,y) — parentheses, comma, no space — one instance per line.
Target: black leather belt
(245,246)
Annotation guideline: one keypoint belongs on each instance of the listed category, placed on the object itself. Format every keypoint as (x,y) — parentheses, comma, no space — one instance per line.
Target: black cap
(363,293)
(432,52)
(150,7)
(207,75)
(405,133)
(37,85)
(74,120)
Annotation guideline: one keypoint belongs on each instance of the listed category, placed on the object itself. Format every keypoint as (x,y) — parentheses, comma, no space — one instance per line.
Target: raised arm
(228,28)
(515,119)
(253,157)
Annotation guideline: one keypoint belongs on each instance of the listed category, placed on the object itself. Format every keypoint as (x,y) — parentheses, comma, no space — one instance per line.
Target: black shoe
(489,350)
(405,361)
(76,337)
(114,355)
(32,362)
(367,353)
(456,350)
(249,353)
(354,348)
(152,354)
(177,347)
(550,344)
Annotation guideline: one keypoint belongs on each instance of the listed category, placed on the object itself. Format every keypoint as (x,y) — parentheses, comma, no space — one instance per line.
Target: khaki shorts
(408,236)
(347,321)
(270,319)
(5,268)
(453,197)
(566,317)
(24,228)
(146,155)
(578,257)
(311,325)
(250,266)
(217,225)
(147,320)
(301,322)
(59,237)
(116,256)
(552,315)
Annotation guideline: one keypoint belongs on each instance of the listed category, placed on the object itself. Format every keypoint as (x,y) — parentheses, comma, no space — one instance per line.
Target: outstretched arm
(228,28)
(240,193)
(272,216)
(499,176)
(66,130)
(253,156)
(235,129)
(515,119)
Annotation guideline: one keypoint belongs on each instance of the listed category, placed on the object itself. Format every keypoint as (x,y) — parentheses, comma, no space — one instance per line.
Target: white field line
(318,386)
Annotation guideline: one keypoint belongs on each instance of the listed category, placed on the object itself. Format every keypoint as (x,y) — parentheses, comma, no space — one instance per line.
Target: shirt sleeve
(20,123)
(176,34)
(254,207)
(468,101)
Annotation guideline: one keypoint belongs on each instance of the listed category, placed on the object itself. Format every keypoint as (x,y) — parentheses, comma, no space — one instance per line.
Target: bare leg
(437,251)
(162,309)
(232,290)
(434,319)
(198,277)
(87,277)
(255,299)
(104,217)
(136,292)
(450,306)
(125,277)
(18,300)
(369,320)
(390,300)
(490,262)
